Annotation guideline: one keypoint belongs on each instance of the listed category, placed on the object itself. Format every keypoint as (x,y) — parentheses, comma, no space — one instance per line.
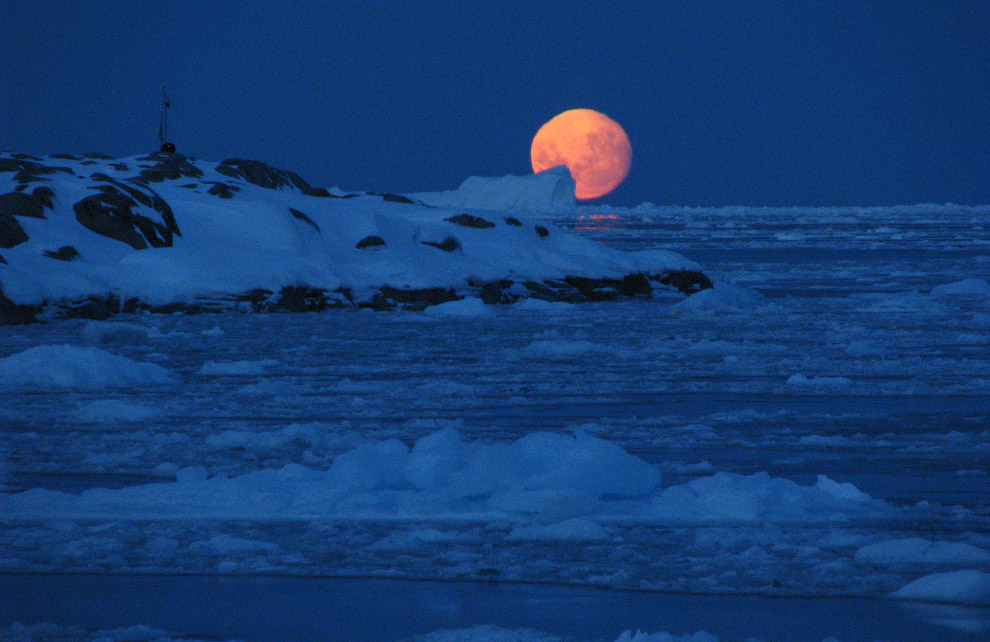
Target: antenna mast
(163,125)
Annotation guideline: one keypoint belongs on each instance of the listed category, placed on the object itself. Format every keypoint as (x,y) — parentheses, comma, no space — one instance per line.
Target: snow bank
(548,191)
(915,550)
(722,297)
(66,366)
(228,251)
(961,587)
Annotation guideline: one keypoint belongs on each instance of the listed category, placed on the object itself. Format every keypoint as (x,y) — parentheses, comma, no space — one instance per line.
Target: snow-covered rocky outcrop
(91,235)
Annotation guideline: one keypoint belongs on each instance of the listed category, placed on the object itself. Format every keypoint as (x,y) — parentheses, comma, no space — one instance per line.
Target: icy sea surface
(818,425)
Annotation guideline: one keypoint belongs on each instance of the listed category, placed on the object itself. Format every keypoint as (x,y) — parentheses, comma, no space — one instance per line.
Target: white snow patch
(959,587)
(72,367)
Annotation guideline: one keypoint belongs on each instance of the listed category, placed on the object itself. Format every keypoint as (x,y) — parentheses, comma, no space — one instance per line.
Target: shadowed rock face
(114,213)
(167,167)
(262,175)
(449,244)
(466,220)
(370,242)
(65,253)
(32,205)
(302,217)
(11,232)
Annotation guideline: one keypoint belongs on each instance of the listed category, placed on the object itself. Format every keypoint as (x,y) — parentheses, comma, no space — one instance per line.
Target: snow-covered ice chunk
(639,636)
(959,587)
(802,381)
(753,499)
(539,305)
(721,297)
(236,367)
(118,332)
(73,367)
(111,410)
(978,288)
(571,530)
(548,191)
(467,307)
(915,550)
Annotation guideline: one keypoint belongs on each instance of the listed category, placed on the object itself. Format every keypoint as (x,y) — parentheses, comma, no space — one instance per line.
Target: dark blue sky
(760,103)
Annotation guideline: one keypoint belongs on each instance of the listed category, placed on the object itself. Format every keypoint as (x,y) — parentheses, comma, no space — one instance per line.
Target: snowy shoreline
(91,236)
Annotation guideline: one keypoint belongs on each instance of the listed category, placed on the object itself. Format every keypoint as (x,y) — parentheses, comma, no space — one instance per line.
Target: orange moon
(593,146)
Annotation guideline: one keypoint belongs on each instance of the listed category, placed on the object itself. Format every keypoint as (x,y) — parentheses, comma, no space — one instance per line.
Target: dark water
(301,609)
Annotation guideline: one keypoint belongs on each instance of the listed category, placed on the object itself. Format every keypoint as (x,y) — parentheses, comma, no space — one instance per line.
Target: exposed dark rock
(12,313)
(301,299)
(542,231)
(11,232)
(635,285)
(687,281)
(496,292)
(419,299)
(394,198)
(449,244)
(542,291)
(320,192)
(466,220)
(262,175)
(2,260)
(97,156)
(26,157)
(509,220)
(370,242)
(43,195)
(595,289)
(65,253)
(28,171)
(92,308)
(88,162)
(110,213)
(120,167)
(66,156)
(223,190)
(21,204)
(167,167)
(302,217)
